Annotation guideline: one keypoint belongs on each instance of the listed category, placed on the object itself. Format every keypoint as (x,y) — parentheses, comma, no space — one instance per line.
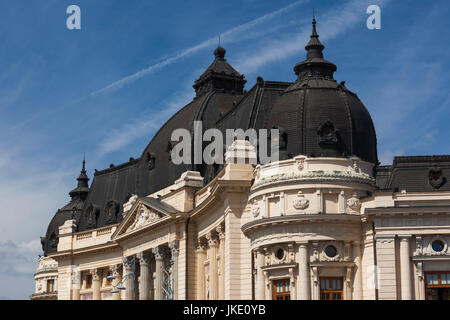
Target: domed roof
(72,210)
(318,116)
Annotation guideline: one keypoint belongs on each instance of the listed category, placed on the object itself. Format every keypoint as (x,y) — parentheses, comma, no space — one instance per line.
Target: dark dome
(320,117)
(72,210)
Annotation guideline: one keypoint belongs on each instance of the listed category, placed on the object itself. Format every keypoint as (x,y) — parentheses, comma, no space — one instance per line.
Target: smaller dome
(219,53)
(320,117)
(220,75)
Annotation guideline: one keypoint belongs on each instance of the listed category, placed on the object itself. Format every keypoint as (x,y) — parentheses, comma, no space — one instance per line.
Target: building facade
(325,222)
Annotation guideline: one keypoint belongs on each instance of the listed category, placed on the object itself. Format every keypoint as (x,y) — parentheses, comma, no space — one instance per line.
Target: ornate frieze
(316,176)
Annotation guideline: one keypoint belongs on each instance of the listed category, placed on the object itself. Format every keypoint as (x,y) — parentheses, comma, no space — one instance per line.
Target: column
(116,281)
(267,286)
(292,284)
(201,254)
(128,278)
(405,268)
(76,285)
(260,281)
(144,279)
(96,284)
(174,251)
(221,233)
(213,281)
(303,277)
(158,252)
(357,284)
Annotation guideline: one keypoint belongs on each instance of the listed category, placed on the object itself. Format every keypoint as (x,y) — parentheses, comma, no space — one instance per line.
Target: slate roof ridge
(117,167)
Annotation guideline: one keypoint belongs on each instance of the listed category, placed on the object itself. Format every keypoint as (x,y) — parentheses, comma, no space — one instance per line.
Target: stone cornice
(264,222)
(410,210)
(314,176)
(90,249)
(217,192)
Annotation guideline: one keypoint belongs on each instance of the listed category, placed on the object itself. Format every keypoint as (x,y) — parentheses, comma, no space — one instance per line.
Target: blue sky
(107,88)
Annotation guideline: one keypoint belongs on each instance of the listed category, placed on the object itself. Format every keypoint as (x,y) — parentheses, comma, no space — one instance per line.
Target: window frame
(329,292)
(285,294)
(50,285)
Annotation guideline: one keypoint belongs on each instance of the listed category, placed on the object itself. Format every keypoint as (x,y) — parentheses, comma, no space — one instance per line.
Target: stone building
(326,221)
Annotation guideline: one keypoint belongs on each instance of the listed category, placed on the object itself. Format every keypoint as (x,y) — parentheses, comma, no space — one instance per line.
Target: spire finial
(84,162)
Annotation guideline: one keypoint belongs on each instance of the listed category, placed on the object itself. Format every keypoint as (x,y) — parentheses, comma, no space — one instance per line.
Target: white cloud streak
(332,24)
(229,36)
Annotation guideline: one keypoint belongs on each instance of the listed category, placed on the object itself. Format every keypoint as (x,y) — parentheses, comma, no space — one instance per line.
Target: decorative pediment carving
(143,216)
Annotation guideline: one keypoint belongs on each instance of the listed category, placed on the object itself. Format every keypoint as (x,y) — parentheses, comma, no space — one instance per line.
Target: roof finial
(84,162)
(314,47)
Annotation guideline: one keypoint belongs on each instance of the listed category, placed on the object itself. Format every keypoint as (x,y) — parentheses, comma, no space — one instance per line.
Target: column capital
(260,250)
(127,262)
(303,244)
(220,229)
(95,274)
(212,239)
(159,252)
(144,257)
(404,237)
(174,248)
(201,244)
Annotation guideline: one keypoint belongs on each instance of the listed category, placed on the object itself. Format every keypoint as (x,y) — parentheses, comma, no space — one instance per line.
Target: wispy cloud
(18,264)
(117,139)
(333,23)
(232,35)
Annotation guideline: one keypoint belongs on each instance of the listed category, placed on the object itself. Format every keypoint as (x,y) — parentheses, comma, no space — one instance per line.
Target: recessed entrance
(281,290)
(437,285)
(331,288)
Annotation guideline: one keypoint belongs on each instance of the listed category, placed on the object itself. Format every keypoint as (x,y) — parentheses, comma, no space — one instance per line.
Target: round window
(279,254)
(331,251)
(437,245)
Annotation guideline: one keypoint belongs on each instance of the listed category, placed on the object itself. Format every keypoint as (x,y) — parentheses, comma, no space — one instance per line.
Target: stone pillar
(116,281)
(76,285)
(201,254)
(128,278)
(144,279)
(96,284)
(292,284)
(405,268)
(267,286)
(357,283)
(260,281)
(221,233)
(304,292)
(158,252)
(174,251)
(213,279)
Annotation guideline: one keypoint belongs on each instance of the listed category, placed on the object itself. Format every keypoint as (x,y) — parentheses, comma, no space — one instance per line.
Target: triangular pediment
(144,213)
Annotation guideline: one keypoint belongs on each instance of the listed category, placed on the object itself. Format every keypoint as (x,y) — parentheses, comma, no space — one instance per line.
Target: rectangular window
(331,288)
(437,285)
(281,290)
(51,285)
